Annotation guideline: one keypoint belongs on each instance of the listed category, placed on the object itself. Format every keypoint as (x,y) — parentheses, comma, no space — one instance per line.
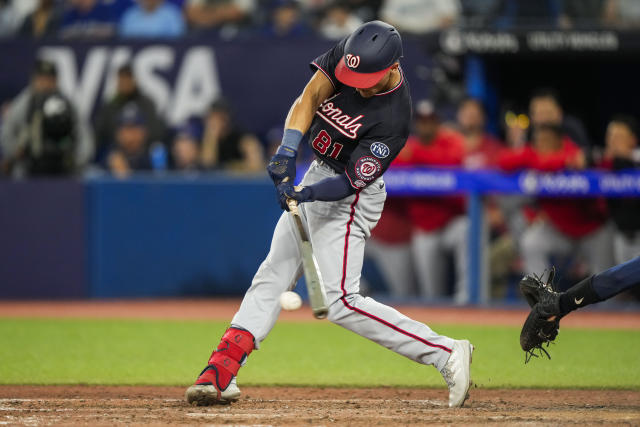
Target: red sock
(224,363)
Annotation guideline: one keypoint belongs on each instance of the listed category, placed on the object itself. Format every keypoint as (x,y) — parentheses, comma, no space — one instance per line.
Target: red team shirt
(575,217)
(446,149)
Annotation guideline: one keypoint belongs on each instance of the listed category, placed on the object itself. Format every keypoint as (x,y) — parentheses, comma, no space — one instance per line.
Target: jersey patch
(367,168)
(380,150)
(359,183)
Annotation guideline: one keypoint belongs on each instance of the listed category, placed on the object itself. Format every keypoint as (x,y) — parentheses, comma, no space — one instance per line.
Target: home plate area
(262,406)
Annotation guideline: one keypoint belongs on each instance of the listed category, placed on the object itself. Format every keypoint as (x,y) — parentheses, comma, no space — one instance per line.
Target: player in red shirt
(481,148)
(563,225)
(439,222)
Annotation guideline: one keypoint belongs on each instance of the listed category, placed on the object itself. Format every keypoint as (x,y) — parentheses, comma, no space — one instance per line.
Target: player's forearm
(303,110)
(332,189)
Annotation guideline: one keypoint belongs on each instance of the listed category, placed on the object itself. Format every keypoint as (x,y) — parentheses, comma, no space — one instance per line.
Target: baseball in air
(290,301)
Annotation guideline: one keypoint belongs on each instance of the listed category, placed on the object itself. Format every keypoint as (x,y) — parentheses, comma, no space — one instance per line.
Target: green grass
(43,351)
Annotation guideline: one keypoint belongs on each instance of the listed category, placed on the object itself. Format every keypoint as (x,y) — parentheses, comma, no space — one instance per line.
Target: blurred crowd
(333,19)
(41,133)
(420,243)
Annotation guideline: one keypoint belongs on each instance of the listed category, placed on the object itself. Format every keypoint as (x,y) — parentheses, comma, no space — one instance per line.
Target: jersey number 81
(322,142)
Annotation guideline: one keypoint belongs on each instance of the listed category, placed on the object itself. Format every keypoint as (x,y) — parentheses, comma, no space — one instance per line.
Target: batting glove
(282,165)
(287,191)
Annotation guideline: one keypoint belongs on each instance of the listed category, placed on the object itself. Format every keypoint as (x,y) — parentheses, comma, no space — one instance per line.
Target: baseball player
(356,109)
(548,307)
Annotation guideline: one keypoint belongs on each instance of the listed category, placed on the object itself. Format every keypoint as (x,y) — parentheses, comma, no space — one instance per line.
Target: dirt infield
(82,405)
(110,405)
(224,309)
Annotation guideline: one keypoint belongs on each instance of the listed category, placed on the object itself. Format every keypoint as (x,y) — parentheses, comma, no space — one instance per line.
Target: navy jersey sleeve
(372,157)
(328,61)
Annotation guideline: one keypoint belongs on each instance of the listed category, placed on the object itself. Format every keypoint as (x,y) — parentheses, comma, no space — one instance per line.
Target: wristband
(291,139)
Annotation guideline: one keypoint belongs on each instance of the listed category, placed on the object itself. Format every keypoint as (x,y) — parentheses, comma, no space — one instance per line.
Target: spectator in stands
(152,19)
(622,154)
(516,125)
(8,19)
(545,108)
(561,226)
(131,150)
(583,14)
(13,14)
(185,150)
(339,21)
(286,21)
(480,13)
(420,16)
(366,10)
(226,146)
(439,223)
(43,22)
(228,16)
(481,148)
(622,13)
(482,151)
(127,92)
(41,117)
(87,19)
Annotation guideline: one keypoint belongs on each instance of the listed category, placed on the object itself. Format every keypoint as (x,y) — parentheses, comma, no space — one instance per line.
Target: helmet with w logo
(369,53)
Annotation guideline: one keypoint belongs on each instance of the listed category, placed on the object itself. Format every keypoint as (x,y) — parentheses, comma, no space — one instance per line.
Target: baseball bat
(312,276)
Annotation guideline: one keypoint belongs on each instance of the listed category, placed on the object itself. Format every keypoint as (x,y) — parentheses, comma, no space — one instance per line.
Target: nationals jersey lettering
(336,118)
(356,135)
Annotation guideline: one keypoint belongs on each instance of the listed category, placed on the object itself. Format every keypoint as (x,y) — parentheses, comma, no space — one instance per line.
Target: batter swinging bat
(315,285)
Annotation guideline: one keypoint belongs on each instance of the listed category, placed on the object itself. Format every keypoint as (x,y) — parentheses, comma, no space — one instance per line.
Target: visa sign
(181,84)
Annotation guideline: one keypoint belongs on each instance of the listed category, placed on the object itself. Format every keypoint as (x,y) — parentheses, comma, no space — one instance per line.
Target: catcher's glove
(543,321)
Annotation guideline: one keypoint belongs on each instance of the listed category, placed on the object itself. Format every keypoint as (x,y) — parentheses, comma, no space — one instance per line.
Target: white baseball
(290,301)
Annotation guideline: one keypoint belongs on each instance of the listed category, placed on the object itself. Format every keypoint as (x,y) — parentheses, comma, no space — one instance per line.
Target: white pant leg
(278,272)
(338,231)
(428,261)
(455,240)
(538,243)
(625,248)
(394,262)
(597,248)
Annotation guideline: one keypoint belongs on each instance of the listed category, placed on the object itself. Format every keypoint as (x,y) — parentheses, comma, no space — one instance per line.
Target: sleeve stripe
(325,73)
(350,182)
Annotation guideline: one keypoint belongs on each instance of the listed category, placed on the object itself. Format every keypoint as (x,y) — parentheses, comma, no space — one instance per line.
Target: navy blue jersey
(357,135)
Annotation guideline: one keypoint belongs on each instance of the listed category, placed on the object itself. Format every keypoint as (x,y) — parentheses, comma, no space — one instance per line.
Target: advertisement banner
(261,77)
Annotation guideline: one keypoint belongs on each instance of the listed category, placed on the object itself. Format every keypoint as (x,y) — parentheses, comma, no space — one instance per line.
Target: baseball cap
(369,53)
(130,116)
(42,67)
(187,130)
(425,109)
